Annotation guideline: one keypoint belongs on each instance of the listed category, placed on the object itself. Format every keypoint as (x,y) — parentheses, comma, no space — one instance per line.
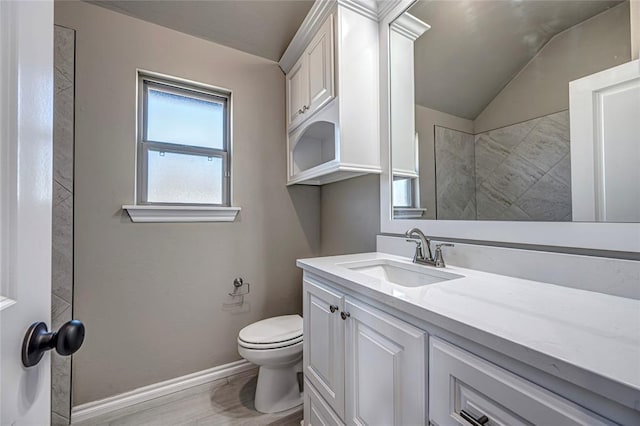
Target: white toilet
(275,345)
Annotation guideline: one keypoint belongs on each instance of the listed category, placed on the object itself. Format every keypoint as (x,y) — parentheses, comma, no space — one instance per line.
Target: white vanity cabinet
(367,366)
(332,97)
(379,353)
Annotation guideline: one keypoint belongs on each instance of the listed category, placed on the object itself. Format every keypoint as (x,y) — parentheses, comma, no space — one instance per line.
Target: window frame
(180,87)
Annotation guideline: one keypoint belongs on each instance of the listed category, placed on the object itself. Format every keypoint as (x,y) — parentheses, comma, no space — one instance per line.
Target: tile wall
(455,175)
(62,232)
(522,171)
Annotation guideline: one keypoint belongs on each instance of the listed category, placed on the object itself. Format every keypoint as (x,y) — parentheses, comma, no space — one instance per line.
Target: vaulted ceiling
(260,27)
(474,48)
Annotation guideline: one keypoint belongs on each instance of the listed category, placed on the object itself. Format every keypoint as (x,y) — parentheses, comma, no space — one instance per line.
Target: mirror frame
(624,237)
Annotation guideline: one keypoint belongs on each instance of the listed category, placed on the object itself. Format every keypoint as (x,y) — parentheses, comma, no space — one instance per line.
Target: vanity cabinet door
(323,356)
(385,369)
(297,92)
(320,62)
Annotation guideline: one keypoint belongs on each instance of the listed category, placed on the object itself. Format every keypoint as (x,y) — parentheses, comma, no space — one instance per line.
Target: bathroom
(416,198)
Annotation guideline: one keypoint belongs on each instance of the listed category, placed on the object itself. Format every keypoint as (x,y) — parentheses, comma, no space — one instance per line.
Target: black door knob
(38,340)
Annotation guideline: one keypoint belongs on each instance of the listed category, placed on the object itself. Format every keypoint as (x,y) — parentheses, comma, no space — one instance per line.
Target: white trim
(405,173)
(331,171)
(624,237)
(384,7)
(155,213)
(127,399)
(366,8)
(314,19)
(409,26)
(312,22)
(5,302)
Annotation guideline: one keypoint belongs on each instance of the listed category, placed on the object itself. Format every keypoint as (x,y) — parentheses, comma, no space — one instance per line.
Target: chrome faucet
(423,246)
(423,254)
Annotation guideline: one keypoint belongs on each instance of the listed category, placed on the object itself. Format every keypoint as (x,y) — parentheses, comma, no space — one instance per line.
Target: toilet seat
(275,345)
(272,333)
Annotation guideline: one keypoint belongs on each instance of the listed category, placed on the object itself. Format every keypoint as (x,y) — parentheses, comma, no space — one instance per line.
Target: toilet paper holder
(238,284)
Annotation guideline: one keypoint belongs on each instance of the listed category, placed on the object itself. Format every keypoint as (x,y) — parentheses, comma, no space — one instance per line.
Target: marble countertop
(533,322)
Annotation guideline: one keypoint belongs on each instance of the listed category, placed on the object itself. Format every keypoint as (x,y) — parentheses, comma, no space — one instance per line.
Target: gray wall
(350,215)
(542,86)
(151,294)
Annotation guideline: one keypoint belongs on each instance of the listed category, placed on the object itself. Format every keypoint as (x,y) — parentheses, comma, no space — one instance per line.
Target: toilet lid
(273,330)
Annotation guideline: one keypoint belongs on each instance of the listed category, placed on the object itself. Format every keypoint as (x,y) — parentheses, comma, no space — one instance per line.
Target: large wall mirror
(514,111)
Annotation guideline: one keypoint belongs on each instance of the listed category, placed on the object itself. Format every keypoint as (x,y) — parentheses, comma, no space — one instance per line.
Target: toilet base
(278,388)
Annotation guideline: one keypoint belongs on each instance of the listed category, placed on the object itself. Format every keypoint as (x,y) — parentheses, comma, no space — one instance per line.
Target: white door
(605,145)
(26,115)
(385,369)
(320,63)
(323,347)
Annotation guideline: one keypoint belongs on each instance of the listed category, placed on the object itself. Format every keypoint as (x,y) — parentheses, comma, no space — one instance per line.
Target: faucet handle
(418,253)
(439,259)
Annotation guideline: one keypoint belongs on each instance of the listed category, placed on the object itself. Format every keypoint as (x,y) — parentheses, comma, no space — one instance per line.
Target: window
(403,191)
(183,144)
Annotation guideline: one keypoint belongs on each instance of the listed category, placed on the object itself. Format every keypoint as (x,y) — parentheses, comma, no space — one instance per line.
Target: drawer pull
(333,308)
(480,421)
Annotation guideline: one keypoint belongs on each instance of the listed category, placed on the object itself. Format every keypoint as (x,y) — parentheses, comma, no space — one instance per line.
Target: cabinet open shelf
(314,158)
(315,146)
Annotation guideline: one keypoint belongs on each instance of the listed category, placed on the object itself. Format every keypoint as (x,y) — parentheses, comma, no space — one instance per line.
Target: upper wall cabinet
(310,81)
(332,95)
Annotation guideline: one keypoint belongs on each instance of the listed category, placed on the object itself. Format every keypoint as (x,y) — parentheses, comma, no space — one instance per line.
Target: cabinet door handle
(305,108)
(480,421)
(333,308)
(344,315)
(300,111)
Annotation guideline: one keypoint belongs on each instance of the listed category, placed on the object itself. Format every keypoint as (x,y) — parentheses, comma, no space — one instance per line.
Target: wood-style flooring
(225,402)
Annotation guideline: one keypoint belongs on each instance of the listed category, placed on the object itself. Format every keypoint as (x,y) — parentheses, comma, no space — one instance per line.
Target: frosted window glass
(184,120)
(183,178)
(402,192)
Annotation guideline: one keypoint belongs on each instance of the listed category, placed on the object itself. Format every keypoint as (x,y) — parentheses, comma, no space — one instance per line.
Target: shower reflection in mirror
(487,116)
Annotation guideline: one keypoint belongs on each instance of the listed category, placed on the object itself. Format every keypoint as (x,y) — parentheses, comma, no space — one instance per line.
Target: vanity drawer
(464,385)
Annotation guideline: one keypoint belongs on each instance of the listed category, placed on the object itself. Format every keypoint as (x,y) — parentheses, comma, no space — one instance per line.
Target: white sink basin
(399,273)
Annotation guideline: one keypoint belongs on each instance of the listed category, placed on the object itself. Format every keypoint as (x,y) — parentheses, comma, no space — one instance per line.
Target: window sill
(408,212)
(160,214)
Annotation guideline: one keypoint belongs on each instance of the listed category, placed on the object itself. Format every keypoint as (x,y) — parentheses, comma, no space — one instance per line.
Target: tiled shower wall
(62,232)
(522,172)
(455,175)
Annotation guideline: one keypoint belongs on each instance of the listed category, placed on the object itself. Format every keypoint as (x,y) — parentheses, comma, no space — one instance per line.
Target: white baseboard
(117,402)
